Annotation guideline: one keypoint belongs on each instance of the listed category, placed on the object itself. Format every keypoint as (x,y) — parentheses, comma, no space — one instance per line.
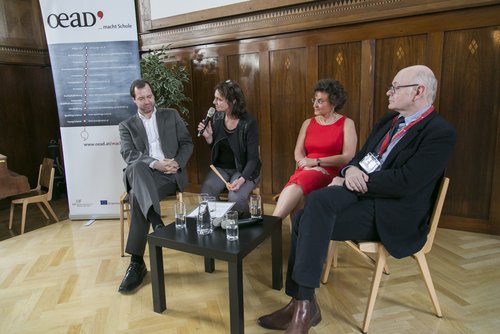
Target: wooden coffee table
(215,246)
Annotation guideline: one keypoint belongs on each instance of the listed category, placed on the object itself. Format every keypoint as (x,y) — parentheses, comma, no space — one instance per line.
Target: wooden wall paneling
(28,117)
(470,95)
(21,24)
(366,97)
(393,54)
(342,62)
(289,106)
(205,75)
(192,120)
(265,124)
(435,43)
(244,69)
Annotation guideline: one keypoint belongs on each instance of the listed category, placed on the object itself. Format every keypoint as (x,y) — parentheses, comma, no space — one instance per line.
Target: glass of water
(202,197)
(255,206)
(180,215)
(231,223)
(203,221)
(212,203)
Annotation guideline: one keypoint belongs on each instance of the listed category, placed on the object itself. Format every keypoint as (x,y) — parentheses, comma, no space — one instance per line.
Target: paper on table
(220,210)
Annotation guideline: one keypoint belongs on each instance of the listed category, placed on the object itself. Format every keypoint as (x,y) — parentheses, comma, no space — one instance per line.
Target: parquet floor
(63,278)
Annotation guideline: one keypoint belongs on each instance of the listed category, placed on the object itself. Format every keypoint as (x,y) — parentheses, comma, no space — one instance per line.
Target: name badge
(370,163)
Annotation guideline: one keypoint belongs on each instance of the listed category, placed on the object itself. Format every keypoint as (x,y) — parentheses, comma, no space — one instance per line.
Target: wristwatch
(318,162)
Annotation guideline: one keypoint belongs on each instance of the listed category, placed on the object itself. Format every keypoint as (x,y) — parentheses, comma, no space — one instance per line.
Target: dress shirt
(408,120)
(151,127)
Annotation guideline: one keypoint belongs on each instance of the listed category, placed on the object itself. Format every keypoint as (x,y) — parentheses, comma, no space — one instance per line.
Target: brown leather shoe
(305,314)
(278,319)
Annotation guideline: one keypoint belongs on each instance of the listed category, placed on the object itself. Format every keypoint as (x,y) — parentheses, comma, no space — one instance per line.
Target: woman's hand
(207,134)
(236,184)
(306,162)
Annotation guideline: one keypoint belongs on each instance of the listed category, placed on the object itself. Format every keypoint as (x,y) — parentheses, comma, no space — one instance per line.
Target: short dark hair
(232,92)
(139,83)
(336,92)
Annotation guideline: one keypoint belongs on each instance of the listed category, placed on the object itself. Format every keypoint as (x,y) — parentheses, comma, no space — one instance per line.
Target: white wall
(166,8)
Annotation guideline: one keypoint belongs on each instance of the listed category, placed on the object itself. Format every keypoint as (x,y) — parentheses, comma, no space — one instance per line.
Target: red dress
(320,141)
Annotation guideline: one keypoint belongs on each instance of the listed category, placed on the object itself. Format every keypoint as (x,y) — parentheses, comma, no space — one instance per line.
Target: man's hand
(355,180)
(337,181)
(237,184)
(167,166)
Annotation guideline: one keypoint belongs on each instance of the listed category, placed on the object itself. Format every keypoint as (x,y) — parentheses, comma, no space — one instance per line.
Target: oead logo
(74,20)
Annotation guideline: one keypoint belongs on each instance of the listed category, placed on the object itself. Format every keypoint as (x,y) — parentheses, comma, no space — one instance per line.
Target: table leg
(209,265)
(277,259)
(157,278)
(236,314)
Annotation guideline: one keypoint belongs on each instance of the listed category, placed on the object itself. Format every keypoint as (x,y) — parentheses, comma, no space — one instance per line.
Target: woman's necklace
(330,120)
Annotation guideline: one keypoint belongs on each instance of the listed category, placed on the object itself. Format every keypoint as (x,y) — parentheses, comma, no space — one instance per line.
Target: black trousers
(331,213)
(147,188)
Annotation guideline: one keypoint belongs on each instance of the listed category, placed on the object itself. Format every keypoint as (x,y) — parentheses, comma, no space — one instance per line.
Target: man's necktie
(391,134)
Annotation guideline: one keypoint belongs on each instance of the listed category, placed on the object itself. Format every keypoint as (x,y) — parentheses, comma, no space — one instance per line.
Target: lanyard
(400,133)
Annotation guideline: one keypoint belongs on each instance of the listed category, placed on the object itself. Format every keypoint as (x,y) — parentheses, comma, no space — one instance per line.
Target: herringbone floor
(63,278)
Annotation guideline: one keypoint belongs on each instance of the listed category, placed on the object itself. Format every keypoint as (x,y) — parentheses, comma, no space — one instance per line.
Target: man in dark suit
(384,193)
(156,146)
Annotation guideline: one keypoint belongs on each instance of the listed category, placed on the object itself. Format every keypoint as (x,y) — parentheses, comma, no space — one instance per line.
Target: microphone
(210,113)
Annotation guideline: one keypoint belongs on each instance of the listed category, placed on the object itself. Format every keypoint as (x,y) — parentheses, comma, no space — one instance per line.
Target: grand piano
(11,183)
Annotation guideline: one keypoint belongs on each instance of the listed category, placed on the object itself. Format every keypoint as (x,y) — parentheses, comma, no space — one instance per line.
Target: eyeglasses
(393,89)
(318,101)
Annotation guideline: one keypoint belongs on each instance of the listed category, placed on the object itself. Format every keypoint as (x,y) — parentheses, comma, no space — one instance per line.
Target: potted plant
(167,79)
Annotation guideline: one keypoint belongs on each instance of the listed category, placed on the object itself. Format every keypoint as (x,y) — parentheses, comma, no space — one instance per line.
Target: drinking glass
(255,206)
(231,223)
(202,197)
(203,221)
(212,203)
(180,215)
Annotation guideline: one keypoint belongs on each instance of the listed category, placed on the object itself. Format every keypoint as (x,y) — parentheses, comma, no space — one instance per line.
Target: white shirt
(151,127)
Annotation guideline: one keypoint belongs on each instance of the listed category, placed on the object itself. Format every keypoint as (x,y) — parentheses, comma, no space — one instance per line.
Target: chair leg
(377,275)
(41,209)
(122,229)
(49,207)
(424,268)
(11,217)
(368,257)
(23,219)
(331,257)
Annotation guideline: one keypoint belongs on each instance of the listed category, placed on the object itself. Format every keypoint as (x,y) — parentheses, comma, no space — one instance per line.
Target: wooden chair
(125,210)
(41,194)
(381,256)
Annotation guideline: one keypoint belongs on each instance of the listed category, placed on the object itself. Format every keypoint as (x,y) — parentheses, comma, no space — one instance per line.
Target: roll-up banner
(94,56)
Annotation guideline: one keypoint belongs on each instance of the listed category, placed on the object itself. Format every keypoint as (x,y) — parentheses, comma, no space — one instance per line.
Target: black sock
(154,218)
(137,259)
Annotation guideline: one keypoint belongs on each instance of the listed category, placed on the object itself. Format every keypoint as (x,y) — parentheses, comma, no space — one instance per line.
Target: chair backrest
(46,176)
(436,214)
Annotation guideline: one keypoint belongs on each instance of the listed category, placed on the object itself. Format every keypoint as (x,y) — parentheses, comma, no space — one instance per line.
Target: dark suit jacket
(403,190)
(175,141)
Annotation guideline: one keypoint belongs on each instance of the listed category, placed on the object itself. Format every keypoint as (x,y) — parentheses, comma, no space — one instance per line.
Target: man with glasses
(383,194)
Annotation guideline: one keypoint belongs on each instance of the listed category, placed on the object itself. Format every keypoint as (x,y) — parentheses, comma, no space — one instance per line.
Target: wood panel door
(245,70)
(342,62)
(290,106)
(392,55)
(205,73)
(470,100)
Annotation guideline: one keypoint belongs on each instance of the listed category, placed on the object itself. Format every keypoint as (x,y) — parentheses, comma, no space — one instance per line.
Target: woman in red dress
(326,142)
